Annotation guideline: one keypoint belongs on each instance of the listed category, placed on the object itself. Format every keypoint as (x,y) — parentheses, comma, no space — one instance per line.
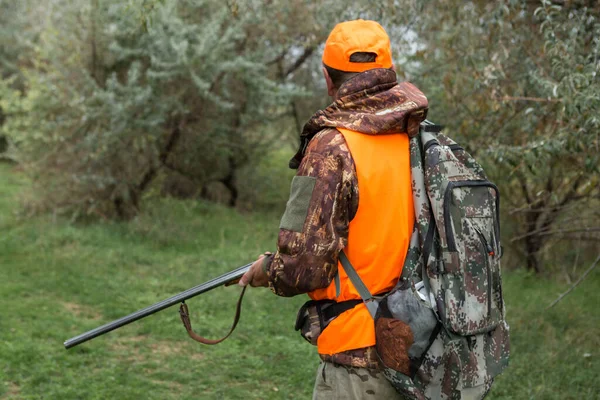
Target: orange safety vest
(378,236)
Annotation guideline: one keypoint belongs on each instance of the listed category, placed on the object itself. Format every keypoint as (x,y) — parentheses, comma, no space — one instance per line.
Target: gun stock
(225,279)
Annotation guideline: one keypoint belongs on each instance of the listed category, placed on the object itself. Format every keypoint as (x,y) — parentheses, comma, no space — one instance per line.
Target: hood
(373,103)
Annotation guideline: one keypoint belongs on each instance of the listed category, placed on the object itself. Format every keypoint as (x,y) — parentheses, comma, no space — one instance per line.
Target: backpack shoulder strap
(358,283)
(422,241)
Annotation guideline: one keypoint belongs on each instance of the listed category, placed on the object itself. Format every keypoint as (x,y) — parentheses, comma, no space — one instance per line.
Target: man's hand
(256,276)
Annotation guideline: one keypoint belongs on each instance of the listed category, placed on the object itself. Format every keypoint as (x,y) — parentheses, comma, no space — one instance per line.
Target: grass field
(59,279)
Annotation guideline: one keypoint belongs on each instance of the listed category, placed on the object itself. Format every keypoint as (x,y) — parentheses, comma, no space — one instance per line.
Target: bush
(520,89)
(105,113)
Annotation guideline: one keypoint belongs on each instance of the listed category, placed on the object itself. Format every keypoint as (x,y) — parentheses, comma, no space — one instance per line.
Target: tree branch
(523,183)
(586,273)
(308,51)
(533,99)
(542,232)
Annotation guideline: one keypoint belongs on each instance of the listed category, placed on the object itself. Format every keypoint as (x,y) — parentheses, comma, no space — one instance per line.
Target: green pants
(350,383)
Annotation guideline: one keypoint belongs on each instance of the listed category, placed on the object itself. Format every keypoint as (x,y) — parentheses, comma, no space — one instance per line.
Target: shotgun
(223,280)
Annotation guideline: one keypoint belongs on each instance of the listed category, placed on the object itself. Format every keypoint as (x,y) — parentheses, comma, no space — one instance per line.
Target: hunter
(351,192)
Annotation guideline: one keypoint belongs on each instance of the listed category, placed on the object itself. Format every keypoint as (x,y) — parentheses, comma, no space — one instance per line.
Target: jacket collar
(371,102)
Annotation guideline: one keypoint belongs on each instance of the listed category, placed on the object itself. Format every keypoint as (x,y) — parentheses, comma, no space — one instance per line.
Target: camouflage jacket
(314,228)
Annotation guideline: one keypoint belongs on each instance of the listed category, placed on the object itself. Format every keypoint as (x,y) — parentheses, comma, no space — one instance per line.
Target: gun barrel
(178,298)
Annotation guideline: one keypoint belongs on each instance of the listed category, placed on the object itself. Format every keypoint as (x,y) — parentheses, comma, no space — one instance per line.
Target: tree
(10,49)
(118,95)
(520,87)
(106,111)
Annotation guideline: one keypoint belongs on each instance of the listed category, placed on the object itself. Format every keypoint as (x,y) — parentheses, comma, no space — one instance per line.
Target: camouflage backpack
(441,332)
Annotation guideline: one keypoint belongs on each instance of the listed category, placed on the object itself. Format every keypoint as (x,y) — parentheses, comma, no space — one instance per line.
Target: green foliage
(118,94)
(14,52)
(105,112)
(266,184)
(12,44)
(113,99)
(520,84)
(61,279)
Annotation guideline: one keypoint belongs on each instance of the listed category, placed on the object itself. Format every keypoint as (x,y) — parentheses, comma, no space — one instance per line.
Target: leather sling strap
(185,318)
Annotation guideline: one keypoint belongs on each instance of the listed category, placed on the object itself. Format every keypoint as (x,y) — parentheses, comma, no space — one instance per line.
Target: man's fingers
(244,279)
(253,274)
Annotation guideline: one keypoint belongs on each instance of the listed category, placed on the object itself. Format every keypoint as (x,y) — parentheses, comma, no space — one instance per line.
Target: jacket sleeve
(314,228)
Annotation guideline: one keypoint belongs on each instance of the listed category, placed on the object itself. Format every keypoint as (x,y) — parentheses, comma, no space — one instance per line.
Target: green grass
(59,279)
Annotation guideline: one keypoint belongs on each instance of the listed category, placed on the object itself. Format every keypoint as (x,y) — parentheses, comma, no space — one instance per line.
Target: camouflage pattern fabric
(342,382)
(466,277)
(361,358)
(311,329)
(306,259)
(372,102)
(459,246)
(453,370)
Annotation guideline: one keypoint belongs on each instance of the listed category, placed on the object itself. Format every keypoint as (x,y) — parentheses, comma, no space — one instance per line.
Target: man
(351,193)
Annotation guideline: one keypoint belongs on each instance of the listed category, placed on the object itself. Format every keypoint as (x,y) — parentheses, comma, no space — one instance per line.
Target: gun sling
(185,318)
(328,310)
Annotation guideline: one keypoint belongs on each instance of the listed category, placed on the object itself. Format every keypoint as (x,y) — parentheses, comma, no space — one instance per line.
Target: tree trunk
(229,182)
(94,50)
(532,247)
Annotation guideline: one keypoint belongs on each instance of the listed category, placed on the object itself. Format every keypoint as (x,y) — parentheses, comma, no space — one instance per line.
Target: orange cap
(357,36)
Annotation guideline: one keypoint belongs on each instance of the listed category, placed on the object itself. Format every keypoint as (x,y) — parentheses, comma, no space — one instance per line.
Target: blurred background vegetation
(129,114)
(105,103)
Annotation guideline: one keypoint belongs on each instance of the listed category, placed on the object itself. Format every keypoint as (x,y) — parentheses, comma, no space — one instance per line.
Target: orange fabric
(357,36)
(378,235)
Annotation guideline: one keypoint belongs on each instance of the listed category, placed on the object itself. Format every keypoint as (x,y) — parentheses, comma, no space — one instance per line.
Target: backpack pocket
(405,327)
(394,339)
(468,280)
(438,375)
